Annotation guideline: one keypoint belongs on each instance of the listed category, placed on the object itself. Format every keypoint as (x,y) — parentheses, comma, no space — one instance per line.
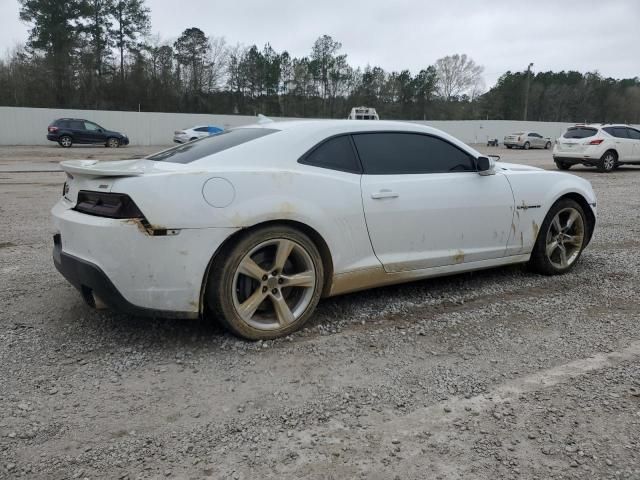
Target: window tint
(618,132)
(76,125)
(401,153)
(91,126)
(201,129)
(192,151)
(579,132)
(633,133)
(335,154)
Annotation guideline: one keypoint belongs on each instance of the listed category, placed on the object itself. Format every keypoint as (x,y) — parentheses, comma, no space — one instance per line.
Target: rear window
(192,151)
(579,132)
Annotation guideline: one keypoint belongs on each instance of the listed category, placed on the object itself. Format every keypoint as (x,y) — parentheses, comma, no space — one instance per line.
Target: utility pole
(526,92)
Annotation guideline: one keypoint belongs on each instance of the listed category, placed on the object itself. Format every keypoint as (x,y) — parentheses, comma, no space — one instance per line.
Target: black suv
(67,131)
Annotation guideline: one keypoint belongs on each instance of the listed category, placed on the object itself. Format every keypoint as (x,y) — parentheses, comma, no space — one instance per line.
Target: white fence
(28,126)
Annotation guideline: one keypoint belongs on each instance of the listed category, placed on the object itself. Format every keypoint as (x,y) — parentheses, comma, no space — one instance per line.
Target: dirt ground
(491,375)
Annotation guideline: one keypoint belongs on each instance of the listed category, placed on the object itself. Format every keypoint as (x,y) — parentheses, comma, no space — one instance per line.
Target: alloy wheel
(609,162)
(274,284)
(565,238)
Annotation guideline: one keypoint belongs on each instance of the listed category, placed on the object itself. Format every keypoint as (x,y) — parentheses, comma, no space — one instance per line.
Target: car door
(94,133)
(634,135)
(78,131)
(623,144)
(537,140)
(425,204)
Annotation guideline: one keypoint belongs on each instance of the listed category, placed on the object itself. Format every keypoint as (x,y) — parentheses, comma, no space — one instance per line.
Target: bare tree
(457,74)
(218,60)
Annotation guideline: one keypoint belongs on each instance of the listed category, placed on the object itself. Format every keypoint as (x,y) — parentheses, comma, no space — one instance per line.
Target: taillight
(596,142)
(111,205)
(52,129)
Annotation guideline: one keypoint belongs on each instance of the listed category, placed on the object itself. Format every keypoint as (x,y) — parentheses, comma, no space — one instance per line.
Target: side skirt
(376,277)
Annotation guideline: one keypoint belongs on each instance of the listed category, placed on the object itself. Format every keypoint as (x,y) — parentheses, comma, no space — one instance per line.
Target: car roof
(344,126)
(600,125)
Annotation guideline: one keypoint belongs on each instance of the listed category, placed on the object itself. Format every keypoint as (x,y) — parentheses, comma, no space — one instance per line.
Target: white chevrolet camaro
(254,225)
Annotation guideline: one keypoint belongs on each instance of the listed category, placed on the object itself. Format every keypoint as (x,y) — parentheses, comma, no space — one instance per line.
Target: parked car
(253,225)
(67,131)
(194,133)
(527,140)
(605,146)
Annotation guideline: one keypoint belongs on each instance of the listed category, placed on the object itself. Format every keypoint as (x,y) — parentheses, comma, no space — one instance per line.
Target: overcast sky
(501,35)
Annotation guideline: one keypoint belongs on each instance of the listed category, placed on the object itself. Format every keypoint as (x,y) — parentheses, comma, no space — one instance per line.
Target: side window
(76,125)
(91,126)
(633,133)
(620,132)
(403,153)
(335,154)
(202,129)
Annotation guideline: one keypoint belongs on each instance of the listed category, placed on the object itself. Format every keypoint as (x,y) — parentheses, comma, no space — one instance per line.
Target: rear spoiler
(94,168)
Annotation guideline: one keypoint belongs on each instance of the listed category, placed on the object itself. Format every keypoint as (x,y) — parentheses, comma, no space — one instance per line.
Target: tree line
(100,54)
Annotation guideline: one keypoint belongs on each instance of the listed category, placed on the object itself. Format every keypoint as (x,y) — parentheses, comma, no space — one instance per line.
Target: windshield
(192,151)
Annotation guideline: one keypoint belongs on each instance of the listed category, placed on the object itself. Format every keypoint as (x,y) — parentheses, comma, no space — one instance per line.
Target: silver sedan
(527,140)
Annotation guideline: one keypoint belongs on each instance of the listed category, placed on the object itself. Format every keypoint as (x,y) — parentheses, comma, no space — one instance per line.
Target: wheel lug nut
(264,278)
(281,280)
(274,291)
(264,289)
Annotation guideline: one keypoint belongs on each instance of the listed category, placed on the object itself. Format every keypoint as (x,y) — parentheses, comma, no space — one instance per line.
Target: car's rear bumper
(96,288)
(53,138)
(131,270)
(575,160)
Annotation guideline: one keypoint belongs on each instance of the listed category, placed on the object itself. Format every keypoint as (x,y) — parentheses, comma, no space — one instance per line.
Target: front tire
(547,145)
(65,141)
(113,142)
(266,284)
(608,162)
(527,145)
(561,239)
(508,146)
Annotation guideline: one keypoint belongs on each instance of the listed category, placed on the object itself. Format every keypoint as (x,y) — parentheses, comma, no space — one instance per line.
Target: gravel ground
(490,375)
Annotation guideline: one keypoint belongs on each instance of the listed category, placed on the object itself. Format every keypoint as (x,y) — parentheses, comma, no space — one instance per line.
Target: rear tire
(247,285)
(508,146)
(527,145)
(547,145)
(65,141)
(561,239)
(563,166)
(608,162)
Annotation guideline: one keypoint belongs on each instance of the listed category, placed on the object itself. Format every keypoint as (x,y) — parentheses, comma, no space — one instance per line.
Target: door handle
(384,193)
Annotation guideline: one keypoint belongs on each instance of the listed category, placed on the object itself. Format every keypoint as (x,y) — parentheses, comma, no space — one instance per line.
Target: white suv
(605,146)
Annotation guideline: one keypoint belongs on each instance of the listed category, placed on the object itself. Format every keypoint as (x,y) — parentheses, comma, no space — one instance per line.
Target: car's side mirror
(486,165)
